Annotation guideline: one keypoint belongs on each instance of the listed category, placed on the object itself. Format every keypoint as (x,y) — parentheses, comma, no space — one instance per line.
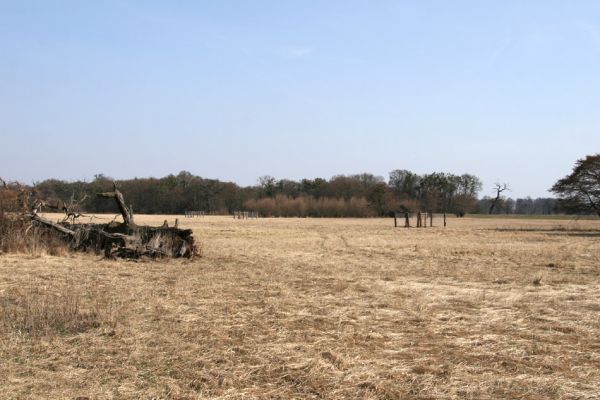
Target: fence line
(245,214)
(192,214)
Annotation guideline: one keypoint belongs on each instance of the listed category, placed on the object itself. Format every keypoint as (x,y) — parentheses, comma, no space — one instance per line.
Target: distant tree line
(360,195)
(525,206)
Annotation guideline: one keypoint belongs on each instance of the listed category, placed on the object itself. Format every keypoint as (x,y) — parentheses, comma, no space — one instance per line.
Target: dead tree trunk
(126,240)
(126,212)
(50,224)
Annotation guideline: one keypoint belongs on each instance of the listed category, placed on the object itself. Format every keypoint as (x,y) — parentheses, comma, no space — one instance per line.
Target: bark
(126,212)
(50,224)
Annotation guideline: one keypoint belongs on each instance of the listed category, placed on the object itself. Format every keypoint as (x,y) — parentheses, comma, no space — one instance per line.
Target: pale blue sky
(506,90)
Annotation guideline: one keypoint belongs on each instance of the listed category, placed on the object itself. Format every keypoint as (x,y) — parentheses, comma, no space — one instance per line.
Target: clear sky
(506,90)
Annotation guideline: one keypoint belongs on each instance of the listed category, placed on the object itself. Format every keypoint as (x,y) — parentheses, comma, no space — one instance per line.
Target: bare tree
(499,188)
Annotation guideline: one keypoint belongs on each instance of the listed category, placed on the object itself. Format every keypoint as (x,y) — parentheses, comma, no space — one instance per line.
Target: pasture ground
(313,308)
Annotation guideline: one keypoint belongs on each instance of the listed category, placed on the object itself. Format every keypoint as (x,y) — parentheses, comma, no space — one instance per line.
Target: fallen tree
(115,239)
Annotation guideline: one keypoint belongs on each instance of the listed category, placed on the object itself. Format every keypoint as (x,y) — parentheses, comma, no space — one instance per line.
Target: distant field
(488,308)
(528,216)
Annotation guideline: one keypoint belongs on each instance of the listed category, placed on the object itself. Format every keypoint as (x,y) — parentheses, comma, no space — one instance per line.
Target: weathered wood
(50,224)
(126,212)
(123,240)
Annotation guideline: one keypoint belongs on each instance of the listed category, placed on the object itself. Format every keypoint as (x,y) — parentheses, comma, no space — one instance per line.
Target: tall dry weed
(20,236)
(58,310)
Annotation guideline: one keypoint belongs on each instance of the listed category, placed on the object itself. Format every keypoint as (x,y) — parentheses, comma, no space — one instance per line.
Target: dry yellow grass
(314,308)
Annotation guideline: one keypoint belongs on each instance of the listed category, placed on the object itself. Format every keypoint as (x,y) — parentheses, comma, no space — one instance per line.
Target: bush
(19,236)
(308,206)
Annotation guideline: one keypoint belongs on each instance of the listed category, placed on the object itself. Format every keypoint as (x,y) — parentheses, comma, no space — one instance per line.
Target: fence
(245,214)
(192,214)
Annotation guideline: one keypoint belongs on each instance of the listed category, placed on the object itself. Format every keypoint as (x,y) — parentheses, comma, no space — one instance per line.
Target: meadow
(313,308)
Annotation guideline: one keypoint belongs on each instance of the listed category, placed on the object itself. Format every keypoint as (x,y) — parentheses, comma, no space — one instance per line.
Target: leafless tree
(499,188)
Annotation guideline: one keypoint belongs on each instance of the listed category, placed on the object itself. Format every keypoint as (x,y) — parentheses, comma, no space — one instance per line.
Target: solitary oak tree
(580,191)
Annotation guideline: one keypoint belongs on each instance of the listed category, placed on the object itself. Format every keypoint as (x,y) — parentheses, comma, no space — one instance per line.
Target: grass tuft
(59,310)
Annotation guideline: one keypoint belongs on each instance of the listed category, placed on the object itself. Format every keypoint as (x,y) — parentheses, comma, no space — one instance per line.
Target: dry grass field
(313,308)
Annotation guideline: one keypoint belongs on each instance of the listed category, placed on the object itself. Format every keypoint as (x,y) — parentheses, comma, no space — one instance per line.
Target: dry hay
(314,308)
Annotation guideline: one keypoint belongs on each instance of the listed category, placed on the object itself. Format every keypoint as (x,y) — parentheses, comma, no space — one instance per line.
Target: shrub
(16,233)
(20,236)
(308,206)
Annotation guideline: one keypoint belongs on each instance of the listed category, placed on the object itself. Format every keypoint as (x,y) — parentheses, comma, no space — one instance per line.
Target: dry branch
(126,212)
(50,224)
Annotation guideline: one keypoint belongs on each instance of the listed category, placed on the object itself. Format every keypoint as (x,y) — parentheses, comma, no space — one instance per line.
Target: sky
(506,90)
